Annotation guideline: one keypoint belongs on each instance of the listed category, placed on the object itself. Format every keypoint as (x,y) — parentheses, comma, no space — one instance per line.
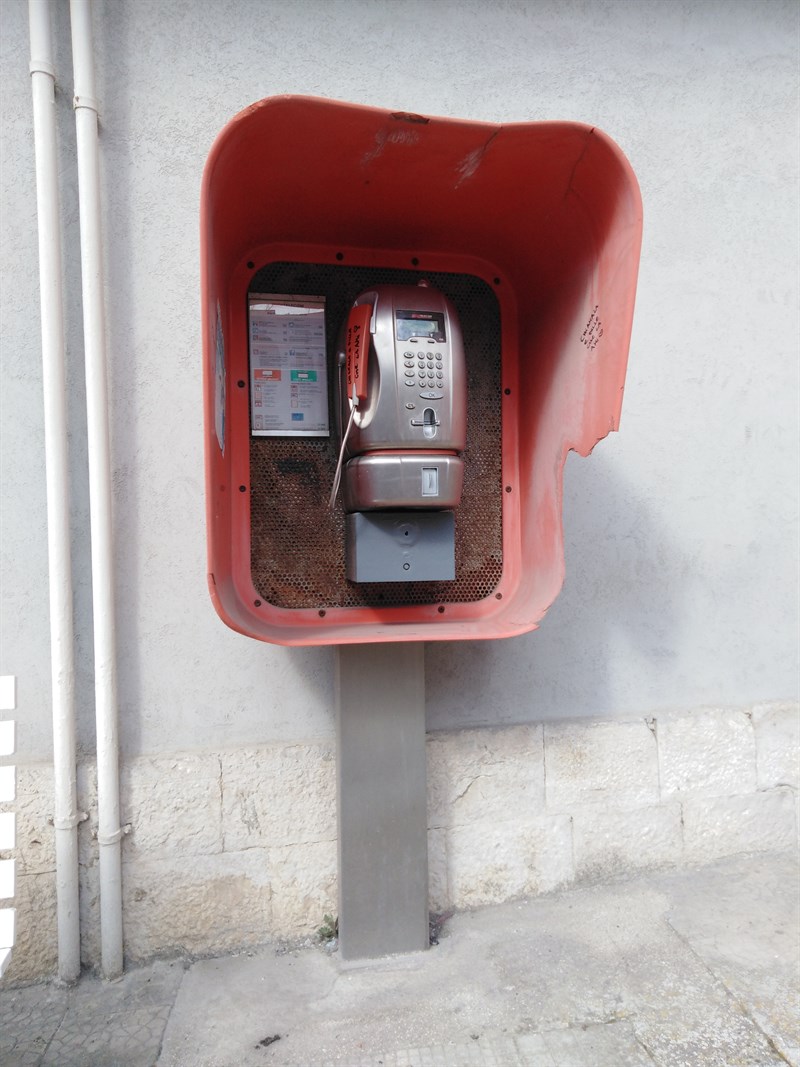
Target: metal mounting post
(381,784)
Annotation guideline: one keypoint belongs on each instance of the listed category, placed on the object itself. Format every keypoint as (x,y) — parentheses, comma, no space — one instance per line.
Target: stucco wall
(680,531)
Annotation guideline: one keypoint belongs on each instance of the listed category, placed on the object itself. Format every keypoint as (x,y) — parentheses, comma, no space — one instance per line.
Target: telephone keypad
(429,374)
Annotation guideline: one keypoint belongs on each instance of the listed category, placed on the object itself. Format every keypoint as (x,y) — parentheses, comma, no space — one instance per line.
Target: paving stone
(123,1039)
(28,1019)
(604,1045)
(533,1050)
(734,1040)
(688,1018)
(745,926)
(155,985)
(693,968)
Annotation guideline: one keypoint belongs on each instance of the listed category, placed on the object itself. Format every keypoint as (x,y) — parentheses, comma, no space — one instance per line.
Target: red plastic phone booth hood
(547,214)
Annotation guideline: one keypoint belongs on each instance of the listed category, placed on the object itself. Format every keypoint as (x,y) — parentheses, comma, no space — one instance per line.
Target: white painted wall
(681,531)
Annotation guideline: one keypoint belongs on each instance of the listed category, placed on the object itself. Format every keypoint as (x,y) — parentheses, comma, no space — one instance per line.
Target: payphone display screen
(428,324)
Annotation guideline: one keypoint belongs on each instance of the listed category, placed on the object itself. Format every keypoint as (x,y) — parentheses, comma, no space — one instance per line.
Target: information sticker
(288,366)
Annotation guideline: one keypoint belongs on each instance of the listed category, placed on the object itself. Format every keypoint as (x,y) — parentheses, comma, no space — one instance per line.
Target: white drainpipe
(110,831)
(66,816)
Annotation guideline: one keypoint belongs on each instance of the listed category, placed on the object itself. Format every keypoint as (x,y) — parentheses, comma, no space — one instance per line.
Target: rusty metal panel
(297,544)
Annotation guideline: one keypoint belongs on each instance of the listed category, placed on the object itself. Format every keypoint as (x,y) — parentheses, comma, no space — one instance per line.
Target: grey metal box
(401,546)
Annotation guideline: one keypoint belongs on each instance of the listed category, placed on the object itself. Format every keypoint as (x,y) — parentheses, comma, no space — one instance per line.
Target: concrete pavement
(693,967)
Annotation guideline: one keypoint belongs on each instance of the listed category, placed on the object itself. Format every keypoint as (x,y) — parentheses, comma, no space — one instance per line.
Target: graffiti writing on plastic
(594,330)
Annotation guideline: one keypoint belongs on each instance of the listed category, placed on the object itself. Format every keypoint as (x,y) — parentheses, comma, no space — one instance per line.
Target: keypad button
(440,374)
(411,383)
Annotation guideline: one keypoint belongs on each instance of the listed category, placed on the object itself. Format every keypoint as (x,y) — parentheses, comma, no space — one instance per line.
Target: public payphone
(528,235)
(402,418)
(532,231)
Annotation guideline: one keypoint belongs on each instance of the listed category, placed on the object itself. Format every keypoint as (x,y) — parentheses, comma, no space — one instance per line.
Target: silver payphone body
(402,414)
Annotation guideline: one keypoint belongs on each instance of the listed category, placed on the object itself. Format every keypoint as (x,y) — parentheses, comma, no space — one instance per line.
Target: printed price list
(288,368)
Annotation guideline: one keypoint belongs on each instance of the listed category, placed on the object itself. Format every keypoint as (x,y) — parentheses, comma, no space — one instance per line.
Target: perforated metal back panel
(297,544)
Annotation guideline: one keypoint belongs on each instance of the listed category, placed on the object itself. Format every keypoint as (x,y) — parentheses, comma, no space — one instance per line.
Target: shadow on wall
(159,514)
(610,637)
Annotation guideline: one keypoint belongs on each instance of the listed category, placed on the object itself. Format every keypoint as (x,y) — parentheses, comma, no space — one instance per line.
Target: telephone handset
(357,351)
(402,401)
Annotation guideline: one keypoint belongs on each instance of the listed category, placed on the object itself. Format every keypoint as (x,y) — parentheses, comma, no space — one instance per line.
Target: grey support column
(381,783)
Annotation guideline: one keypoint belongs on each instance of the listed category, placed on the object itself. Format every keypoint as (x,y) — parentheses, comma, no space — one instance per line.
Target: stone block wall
(235,848)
